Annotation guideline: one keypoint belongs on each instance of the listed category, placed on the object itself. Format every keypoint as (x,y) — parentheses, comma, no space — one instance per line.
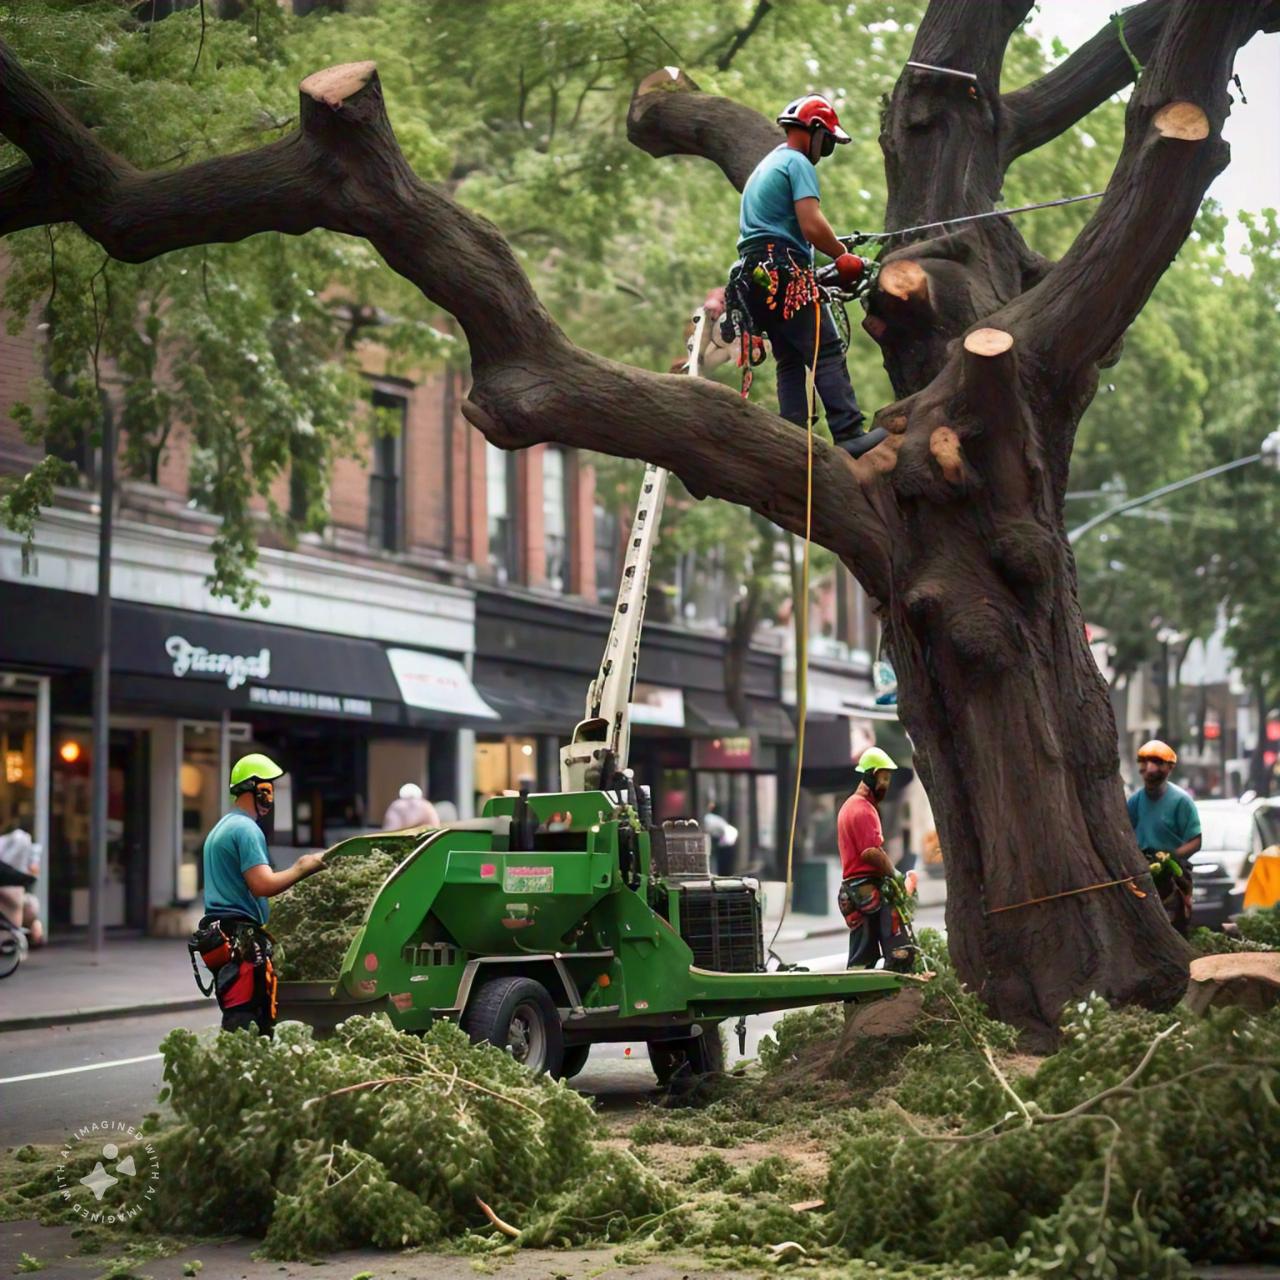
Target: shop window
(500,489)
(502,764)
(606,542)
(555,517)
(200,793)
(18,761)
(386,491)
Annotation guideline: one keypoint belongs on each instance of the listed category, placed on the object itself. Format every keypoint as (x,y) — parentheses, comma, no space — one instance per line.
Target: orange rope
(1068,893)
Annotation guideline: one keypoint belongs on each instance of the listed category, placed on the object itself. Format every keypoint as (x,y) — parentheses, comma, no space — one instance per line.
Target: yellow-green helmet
(874,758)
(252,769)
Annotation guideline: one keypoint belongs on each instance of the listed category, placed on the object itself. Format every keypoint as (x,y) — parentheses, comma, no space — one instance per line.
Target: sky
(1252,180)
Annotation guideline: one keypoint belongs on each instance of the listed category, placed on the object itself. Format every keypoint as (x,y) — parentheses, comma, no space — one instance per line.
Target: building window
(606,538)
(555,518)
(386,492)
(500,488)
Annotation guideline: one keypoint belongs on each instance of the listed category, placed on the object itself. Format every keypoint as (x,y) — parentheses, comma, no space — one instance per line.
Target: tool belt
(766,282)
(859,896)
(238,954)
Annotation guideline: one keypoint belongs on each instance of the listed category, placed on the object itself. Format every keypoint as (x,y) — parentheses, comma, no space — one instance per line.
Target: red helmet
(813,111)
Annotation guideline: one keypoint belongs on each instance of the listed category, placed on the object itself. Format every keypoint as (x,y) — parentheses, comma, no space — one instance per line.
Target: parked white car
(1234,832)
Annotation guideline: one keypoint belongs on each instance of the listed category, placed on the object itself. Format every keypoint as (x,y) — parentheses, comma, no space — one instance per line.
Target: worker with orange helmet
(780,224)
(1167,828)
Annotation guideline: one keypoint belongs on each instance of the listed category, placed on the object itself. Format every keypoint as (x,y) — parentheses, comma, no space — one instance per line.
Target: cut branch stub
(1183,120)
(904,280)
(334,85)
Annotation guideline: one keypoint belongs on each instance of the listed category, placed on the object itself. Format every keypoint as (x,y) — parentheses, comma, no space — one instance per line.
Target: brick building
(441,630)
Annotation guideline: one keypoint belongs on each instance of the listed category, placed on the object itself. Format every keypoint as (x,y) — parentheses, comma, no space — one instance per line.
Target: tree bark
(994,353)
(953,524)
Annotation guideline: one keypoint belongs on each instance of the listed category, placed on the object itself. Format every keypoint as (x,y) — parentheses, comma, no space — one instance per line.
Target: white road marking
(70,1071)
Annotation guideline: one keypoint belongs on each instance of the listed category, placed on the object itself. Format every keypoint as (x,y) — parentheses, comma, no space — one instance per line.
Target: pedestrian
(410,809)
(1167,827)
(868,887)
(22,908)
(779,225)
(239,877)
(724,840)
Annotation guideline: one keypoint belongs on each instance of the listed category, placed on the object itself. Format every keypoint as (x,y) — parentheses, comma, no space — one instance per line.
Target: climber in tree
(780,224)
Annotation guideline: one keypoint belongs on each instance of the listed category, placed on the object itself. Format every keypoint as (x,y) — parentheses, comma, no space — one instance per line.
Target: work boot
(859,441)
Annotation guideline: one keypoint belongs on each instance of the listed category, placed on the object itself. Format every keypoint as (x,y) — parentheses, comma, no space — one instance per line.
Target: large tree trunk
(1015,738)
(954,525)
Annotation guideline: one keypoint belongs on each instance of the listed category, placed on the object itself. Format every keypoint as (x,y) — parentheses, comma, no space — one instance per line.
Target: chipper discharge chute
(559,920)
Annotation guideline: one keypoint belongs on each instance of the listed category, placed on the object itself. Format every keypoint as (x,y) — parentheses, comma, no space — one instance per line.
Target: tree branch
(27,201)
(343,170)
(1040,111)
(742,35)
(670,116)
(1173,149)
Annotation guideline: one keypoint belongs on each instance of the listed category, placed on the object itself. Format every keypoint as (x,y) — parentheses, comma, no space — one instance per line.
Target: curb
(35,1021)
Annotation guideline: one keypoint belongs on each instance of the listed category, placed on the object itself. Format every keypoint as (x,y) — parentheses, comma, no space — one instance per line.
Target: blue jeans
(792,343)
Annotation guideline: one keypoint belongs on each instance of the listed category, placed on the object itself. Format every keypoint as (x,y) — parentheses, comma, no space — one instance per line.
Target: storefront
(843,720)
(534,663)
(350,719)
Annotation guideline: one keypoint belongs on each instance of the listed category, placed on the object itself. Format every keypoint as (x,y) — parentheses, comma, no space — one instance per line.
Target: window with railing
(500,489)
(386,490)
(555,517)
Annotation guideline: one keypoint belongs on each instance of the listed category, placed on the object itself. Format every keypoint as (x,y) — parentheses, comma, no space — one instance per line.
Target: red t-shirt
(858,829)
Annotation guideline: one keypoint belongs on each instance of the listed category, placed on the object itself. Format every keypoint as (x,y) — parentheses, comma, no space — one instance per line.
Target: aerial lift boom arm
(596,756)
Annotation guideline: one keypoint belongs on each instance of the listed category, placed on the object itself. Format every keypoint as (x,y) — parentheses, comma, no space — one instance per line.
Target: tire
(13,947)
(575,1058)
(517,1014)
(704,1054)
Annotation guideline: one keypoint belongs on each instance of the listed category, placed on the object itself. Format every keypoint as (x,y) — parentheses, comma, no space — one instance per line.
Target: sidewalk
(65,982)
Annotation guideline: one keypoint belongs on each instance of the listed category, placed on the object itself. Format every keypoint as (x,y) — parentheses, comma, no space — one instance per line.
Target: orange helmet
(1157,750)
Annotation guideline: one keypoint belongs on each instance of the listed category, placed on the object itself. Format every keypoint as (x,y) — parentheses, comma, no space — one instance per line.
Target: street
(54,1079)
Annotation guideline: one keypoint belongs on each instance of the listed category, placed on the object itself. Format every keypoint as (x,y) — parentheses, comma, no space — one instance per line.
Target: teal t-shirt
(233,846)
(769,200)
(1167,823)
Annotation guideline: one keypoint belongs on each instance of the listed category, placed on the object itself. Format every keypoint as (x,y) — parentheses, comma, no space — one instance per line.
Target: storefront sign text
(302,700)
(236,667)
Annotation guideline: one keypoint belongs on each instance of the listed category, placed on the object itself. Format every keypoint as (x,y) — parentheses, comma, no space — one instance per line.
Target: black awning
(531,699)
(196,663)
(708,714)
(771,721)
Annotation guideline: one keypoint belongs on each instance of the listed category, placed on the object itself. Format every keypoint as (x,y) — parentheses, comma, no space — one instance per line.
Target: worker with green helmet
(866,896)
(239,877)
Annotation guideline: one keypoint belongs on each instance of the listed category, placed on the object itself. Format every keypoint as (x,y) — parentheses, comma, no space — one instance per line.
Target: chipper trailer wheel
(519,1015)
(704,1054)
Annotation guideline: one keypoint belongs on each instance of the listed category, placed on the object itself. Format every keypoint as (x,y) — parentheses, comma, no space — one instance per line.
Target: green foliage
(269,1145)
(795,1032)
(1261,926)
(314,922)
(1176,1150)
(27,1263)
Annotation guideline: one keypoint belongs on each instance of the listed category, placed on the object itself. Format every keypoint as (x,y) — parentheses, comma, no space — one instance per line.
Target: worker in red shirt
(865,866)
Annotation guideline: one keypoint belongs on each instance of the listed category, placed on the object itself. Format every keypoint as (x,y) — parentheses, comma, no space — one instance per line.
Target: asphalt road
(53,1080)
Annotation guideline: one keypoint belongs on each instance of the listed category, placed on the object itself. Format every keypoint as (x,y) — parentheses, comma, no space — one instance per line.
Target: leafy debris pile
(1259,931)
(314,922)
(376,1137)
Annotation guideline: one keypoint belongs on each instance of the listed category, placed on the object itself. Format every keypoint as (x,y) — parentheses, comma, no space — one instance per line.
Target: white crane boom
(601,743)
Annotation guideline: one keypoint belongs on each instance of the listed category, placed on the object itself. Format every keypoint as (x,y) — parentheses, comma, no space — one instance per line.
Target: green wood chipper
(556,921)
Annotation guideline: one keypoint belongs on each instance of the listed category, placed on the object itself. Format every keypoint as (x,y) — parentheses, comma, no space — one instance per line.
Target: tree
(954,525)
